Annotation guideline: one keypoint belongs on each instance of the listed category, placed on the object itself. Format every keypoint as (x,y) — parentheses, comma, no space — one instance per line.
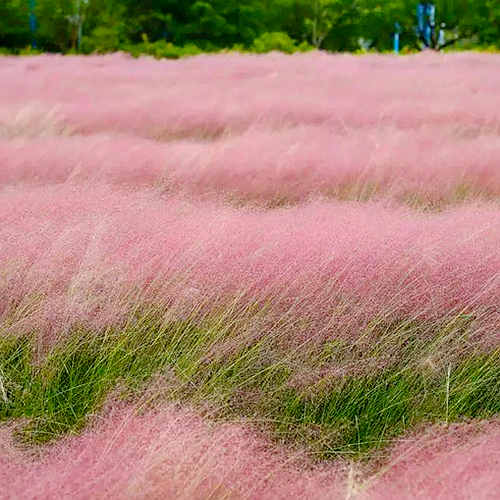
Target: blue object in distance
(33,23)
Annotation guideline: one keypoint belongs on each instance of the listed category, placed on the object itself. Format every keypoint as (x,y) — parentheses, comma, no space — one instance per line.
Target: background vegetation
(171,28)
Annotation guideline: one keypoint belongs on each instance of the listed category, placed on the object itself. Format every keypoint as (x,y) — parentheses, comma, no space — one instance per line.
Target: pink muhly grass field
(209,94)
(459,462)
(89,255)
(311,197)
(173,454)
(266,166)
(261,129)
(164,455)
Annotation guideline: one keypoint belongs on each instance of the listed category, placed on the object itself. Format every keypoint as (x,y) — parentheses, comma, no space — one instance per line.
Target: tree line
(209,25)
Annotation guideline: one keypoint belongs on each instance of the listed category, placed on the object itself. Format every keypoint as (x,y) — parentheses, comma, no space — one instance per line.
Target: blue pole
(421,21)
(397,38)
(33,23)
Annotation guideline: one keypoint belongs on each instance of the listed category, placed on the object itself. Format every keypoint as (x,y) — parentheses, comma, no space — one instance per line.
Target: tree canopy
(338,25)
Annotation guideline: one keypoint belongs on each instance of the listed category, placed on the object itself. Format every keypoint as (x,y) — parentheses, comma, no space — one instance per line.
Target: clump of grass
(90,255)
(342,409)
(167,453)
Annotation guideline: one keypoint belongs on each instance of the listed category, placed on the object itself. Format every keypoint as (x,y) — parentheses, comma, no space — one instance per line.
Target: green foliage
(102,39)
(106,25)
(161,49)
(211,25)
(28,51)
(57,394)
(440,380)
(268,42)
(54,30)
(329,15)
(14,28)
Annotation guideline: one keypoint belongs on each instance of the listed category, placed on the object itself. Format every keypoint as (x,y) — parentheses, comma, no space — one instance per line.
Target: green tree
(332,15)
(211,24)
(55,31)
(14,26)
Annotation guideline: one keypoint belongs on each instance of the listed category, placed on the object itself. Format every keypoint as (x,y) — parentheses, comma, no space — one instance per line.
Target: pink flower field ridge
(411,134)
(170,454)
(79,250)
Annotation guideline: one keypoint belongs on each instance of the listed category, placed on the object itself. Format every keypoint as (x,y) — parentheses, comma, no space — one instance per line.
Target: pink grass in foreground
(167,455)
(89,254)
(456,463)
(172,454)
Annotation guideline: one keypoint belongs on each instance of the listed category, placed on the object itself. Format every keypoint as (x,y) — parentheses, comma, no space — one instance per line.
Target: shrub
(102,40)
(279,41)
(161,49)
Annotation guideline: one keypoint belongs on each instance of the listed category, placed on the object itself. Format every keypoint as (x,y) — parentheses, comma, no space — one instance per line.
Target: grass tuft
(335,413)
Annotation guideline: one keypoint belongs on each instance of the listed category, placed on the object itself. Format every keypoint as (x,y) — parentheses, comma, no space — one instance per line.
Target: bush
(190,49)
(102,40)
(268,42)
(305,47)
(26,51)
(161,49)
(29,51)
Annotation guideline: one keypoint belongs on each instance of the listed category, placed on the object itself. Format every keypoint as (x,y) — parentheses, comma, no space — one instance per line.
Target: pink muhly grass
(258,128)
(90,254)
(173,454)
(459,462)
(95,228)
(263,166)
(167,454)
(210,94)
